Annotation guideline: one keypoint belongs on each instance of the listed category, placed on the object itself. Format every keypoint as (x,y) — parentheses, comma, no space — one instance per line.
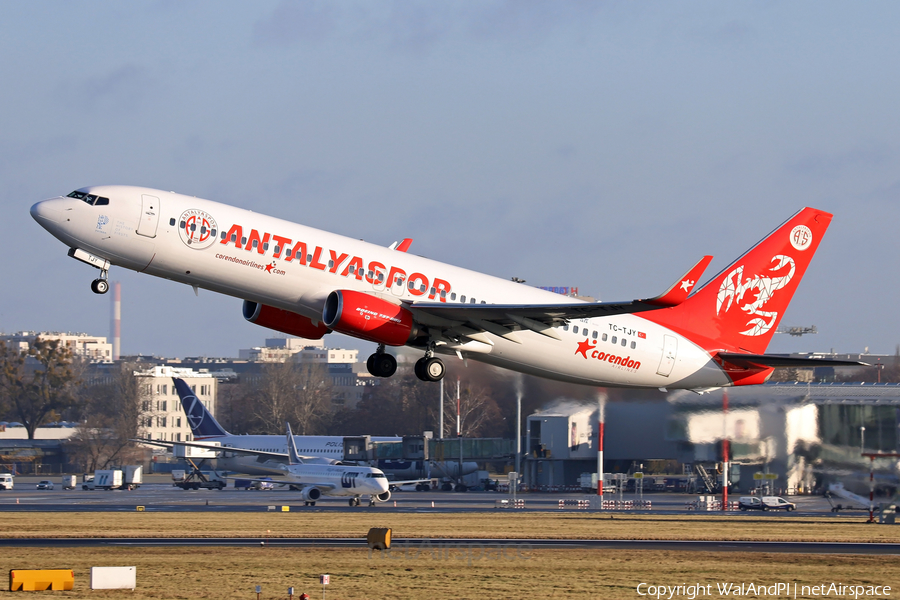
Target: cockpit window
(91,199)
(376,476)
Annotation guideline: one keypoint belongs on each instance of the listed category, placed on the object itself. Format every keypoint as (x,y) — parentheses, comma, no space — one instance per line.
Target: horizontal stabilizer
(773,360)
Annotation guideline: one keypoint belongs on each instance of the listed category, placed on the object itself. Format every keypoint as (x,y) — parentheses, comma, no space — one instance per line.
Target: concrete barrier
(23,580)
(379,538)
(113,578)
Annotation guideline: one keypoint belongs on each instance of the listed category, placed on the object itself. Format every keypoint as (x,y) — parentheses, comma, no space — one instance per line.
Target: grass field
(521,572)
(497,524)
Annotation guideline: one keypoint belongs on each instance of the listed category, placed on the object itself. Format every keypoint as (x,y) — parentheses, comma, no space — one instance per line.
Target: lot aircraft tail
(203,424)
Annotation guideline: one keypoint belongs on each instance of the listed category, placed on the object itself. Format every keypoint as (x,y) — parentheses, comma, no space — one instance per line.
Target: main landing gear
(381,364)
(430,367)
(101,285)
(354,501)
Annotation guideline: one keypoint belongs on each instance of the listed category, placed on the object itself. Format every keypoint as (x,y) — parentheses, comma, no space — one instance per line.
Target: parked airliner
(313,449)
(315,480)
(308,282)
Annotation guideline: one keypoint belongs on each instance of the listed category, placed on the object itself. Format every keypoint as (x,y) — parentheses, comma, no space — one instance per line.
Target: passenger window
(453,296)
(484,301)
(633,345)
(604,337)
(330,264)
(172,222)
(233,237)
(287,253)
(624,341)
(462,299)
(594,335)
(224,235)
(265,246)
(471,300)
(565,327)
(575,329)
(255,242)
(277,249)
(444,294)
(432,291)
(422,288)
(244,241)
(614,339)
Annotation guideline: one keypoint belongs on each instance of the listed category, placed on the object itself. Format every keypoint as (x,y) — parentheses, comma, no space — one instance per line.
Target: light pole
(862,439)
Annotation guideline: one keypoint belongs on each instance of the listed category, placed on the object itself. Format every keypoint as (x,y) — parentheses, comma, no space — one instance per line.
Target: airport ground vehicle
(765,503)
(6,481)
(129,477)
(195,480)
(44,485)
(69,482)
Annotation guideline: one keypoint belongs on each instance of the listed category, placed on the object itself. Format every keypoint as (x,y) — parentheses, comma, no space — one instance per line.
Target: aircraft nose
(47,211)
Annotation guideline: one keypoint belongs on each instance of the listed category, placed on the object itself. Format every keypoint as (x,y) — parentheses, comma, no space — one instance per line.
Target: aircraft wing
(505,319)
(162,444)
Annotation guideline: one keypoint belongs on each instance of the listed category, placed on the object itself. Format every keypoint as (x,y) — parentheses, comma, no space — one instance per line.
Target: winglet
(293,455)
(681,289)
(401,246)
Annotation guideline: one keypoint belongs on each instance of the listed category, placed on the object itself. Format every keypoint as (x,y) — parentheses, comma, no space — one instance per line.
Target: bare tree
(115,413)
(292,392)
(37,383)
(477,410)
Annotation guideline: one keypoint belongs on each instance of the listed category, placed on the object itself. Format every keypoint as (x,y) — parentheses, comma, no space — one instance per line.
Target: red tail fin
(740,308)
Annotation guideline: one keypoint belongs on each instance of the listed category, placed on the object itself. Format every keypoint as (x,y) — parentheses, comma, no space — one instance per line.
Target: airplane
(308,282)
(313,449)
(314,480)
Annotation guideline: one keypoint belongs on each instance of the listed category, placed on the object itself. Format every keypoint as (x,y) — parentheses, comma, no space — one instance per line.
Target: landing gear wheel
(99,286)
(371,502)
(352,503)
(433,369)
(381,364)
(419,369)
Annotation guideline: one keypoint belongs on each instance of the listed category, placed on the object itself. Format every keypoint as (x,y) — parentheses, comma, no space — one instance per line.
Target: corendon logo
(297,252)
(197,229)
(588,350)
(733,289)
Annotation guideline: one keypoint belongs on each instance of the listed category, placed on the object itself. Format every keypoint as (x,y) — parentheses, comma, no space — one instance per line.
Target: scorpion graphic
(732,290)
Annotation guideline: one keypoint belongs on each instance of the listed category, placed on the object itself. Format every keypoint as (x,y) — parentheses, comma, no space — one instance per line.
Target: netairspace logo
(761,590)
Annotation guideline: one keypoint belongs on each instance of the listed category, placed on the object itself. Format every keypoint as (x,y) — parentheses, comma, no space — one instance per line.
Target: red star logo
(269,268)
(584,346)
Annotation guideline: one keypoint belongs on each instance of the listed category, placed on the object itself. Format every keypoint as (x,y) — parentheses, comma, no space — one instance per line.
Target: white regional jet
(308,282)
(314,480)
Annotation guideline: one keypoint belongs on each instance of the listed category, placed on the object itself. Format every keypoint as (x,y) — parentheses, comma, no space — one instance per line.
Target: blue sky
(601,145)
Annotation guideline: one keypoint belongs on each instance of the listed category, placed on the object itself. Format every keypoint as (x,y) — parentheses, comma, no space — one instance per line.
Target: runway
(421,546)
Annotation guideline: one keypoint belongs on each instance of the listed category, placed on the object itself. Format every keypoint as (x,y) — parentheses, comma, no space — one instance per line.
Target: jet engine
(384,496)
(310,494)
(284,321)
(368,317)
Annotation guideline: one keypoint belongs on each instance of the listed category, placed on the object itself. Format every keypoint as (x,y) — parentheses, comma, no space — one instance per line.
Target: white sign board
(324,579)
(113,578)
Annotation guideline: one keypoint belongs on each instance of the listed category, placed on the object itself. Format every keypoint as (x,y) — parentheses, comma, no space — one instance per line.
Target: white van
(6,481)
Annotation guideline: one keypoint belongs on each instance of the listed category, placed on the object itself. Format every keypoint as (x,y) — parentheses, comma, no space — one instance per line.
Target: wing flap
(746,361)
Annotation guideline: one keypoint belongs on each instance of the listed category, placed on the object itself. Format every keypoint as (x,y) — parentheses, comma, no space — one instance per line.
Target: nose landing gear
(101,285)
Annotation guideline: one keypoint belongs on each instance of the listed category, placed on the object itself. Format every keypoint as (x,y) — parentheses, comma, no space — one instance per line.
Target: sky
(603,145)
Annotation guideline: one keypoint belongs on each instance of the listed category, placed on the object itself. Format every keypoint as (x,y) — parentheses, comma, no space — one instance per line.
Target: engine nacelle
(368,317)
(284,321)
(384,496)
(310,494)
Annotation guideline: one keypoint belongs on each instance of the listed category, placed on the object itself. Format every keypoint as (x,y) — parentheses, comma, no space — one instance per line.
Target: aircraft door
(670,349)
(149,216)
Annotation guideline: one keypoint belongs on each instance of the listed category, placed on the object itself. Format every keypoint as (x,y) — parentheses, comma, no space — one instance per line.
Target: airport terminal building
(805,434)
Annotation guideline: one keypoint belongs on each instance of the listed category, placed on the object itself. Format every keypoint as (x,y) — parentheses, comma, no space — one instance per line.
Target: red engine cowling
(368,317)
(284,321)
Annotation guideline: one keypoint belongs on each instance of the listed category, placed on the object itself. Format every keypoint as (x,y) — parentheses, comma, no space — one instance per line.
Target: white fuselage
(337,480)
(322,449)
(244,254)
